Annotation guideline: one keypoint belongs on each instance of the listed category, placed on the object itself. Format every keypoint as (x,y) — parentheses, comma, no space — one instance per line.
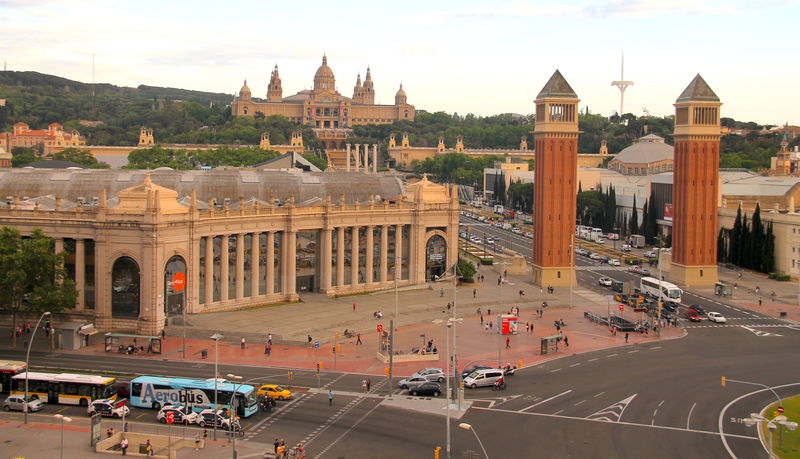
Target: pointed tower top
(324,59)
(557,87)
(698,90)
(369,75)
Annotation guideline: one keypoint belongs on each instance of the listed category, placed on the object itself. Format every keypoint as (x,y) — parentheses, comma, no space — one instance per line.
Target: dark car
(430,388)
(671,305)
(697,308)
(469,370)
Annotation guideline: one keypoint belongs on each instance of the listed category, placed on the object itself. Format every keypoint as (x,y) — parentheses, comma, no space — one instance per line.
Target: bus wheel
(83,402)
(156,406)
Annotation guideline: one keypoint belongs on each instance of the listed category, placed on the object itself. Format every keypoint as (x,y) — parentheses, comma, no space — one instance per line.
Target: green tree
(757,240)
(633,222)
(466,270)
(590,207)
(769,250)
(316,160)
(734,241)
(79,156)
(32,276)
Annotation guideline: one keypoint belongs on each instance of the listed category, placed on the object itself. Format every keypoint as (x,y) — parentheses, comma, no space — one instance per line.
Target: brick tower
(695,185)
(556,146)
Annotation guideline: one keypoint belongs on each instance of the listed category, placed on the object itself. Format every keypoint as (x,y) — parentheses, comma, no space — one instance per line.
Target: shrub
(466,270)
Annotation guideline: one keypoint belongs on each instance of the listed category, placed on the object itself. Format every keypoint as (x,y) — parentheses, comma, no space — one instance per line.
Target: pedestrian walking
(481,320)
(330,397)
(354,307)
(508,343)
(505,273)
(197,442)
(490,326)
(499,279)
(148,448)
(566,341)
(478,311)
(759,301)
(269,338)
(531,330)
(309,340)
(364,385)
(441,292)
(125,427)
(205,437)
(277,443)
(358,339)
(369,384)
(626,335)
(243,343)
(474,292)
(488,312)
(123,445)
(268,349)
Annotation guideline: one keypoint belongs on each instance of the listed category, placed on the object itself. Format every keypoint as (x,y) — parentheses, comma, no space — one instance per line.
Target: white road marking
(601,393)
(592,360)
(558,412)
(689,418)
(662,402)
(547,400)
(631,352)
(612,355)
(580,402)
(557,369)
(574,365)
(610,411)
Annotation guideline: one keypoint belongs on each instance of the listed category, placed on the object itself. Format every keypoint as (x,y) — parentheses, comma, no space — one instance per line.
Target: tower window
(682,115)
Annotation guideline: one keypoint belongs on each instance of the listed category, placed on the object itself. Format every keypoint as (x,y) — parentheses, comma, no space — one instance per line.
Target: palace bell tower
(695,185)
(555,187)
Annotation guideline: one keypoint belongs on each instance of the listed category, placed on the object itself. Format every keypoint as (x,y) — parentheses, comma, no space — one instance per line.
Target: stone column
(357,155)
(59,246)
(239,266)
(223,268)
(290,262)
(348,157)
(398,252)
(270,278)
(384,252)
(80,272)
(366,157)
(192,289)
(368,278)
(209,281)
(327,256)
(354,256)
(255,267)
(340,256)
(375,158)
(102,283)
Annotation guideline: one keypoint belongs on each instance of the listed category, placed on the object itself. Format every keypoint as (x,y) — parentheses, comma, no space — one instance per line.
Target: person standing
(269,338)
(197,442)
(566,341)
(123,445)
(330,397)
(369,384)
(309,340)
(149,448)
(269,349)
(474,292)
(358,339)
(508,343)
(626,336)
(243,341)
(364,385)
(481,320)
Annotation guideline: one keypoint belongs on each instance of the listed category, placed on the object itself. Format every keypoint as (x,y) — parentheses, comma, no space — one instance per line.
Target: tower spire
(622,85)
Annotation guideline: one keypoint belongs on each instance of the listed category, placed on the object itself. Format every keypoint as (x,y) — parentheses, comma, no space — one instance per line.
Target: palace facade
(53,139)
(145,244)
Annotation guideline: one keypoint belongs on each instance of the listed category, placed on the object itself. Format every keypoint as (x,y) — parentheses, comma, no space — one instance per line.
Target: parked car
(17,402)
(693,316)
(482,378)
(429,388)
(625,248)
(467,371)
(614,262)
(606,281)
(113,408)
(411,382)
(650,254)
(595,256)
(182,415)
(431,374)
(716,317)
(275,391)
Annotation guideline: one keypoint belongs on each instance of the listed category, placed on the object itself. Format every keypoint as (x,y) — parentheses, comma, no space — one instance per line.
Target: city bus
(65,388)
(9,369)
(670,292)
(156,392)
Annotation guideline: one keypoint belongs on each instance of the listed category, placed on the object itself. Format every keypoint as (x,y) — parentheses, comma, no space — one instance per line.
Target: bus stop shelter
(130,343)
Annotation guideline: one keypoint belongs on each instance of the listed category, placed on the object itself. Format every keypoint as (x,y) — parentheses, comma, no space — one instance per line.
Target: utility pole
(391,358)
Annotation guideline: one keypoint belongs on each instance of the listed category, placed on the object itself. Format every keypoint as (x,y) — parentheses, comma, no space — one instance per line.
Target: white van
(483,378)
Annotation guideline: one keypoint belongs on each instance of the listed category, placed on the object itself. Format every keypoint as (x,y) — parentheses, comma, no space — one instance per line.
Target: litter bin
(783,315)
(203,353)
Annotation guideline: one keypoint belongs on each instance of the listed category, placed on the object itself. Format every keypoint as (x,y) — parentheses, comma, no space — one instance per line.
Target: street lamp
(450,323)
(499,316)
(28,367)
(216,337)
(772,424)
(63,420)
(466,426)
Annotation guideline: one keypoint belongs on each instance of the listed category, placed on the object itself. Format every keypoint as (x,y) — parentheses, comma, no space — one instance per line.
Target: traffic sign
(170,417)
(316,344)
(780,409)
(622,307)
(380,328)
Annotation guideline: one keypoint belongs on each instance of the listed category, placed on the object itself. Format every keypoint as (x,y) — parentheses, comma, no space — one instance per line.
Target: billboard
(668,212)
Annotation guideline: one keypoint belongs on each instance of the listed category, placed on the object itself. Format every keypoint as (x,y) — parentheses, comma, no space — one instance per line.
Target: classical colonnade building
(142,245)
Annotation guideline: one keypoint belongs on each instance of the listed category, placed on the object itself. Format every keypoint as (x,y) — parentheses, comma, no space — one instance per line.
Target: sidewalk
(423,313)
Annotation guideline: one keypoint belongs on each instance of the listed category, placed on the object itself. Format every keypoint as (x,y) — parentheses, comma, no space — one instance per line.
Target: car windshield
(251,398)
(674,293)
(474,374)
(278,389)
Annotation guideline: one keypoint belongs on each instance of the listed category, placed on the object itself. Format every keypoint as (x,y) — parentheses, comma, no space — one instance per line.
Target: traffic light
(436,452)
(319,366)
(722,381)
(386,371)
(290,375)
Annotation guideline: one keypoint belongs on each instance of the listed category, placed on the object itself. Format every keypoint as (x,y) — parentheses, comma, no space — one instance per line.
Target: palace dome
(324,78)
(245,93)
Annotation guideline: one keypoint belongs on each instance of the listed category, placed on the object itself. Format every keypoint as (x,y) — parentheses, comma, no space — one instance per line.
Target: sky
(481,57)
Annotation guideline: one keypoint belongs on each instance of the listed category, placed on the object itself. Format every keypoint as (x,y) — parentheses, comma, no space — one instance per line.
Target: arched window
(125,288)
(174,285)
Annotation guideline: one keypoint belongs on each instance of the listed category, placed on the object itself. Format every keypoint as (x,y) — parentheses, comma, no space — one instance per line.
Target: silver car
(431,374)
(411,382)
(17,402)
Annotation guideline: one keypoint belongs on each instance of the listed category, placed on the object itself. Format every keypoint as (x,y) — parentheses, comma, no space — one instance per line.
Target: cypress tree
(744,244)
(757,240)
(769,250)
(612,208)
(634,220)
(580,188)
(643,227)
(734,254)
(721,245)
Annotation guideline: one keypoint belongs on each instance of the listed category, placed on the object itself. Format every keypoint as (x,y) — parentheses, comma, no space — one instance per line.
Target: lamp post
(63,420)
(396,298)
(772,424)
(216,337)
(449,323)
(232,418)
(28,367)
(466,426)
(499,316)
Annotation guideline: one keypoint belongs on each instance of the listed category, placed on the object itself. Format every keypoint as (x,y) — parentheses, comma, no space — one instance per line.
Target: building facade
(648,155)
(143,245)
(52,139)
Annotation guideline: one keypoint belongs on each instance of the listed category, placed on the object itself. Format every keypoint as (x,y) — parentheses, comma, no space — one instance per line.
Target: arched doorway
(175,285)
(435,257)
(125,288)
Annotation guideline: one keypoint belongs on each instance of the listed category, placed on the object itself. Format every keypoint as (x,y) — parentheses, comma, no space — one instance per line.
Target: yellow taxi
(275,391)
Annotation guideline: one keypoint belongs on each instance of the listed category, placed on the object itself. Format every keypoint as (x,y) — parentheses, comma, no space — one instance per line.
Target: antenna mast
(622,85)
